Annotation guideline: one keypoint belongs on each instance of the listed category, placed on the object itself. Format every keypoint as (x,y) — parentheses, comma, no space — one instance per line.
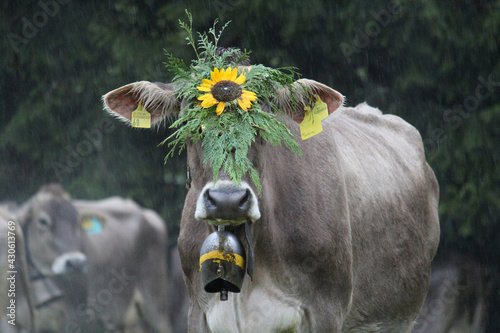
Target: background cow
(179,298)
(343,237)
(122,282)
(457,298)
(127,258)
(22,290)
(53,242)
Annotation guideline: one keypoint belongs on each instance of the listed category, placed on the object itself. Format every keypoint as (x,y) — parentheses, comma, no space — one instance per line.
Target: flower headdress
(225,108)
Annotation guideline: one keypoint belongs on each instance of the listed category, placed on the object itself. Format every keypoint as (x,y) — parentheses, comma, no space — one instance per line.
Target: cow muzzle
(71,262)
(225,203)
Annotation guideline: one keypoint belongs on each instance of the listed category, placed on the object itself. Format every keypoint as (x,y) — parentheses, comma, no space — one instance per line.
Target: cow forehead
(202,175)
(57,208)
(196,155)
(47,196)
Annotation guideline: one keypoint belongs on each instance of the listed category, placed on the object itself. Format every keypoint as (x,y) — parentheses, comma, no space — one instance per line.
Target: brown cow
(179,299)
(343,237)
(127,259)
(53,243)
(458,296)
(15,289)
(124,284)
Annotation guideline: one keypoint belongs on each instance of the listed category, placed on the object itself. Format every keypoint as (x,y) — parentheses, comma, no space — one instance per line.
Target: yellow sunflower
(225,87)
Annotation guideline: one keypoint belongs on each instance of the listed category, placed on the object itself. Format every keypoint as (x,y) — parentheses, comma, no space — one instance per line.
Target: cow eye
(44,223)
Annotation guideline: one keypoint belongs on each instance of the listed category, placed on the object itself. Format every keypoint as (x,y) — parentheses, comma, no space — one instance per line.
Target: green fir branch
(226,138)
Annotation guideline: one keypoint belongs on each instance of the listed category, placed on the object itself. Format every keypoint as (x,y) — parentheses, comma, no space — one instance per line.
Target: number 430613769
(11,244)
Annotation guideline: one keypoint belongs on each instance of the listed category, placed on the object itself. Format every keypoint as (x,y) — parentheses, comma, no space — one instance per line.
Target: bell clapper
(224,291)
(223,294)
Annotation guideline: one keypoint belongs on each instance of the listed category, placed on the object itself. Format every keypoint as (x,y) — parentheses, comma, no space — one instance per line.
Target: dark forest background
(434,63)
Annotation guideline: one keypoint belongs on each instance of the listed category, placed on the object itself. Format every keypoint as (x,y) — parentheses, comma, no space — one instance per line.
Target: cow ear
(304,92)
(157,98)
(24,213)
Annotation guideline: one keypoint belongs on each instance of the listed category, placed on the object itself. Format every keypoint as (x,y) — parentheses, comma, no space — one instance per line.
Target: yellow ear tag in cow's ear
(141,118)
(320,109)
(91,225)
(311,125)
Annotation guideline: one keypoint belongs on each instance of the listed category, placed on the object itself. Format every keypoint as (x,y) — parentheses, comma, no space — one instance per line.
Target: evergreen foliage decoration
(225,119)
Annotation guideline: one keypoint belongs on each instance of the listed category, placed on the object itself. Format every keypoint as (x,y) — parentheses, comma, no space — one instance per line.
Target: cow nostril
(227,202)
(75,265)
(211,202)
(245,199)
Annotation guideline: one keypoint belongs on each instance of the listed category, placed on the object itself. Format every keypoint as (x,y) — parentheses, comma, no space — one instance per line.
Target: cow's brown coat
(346,234)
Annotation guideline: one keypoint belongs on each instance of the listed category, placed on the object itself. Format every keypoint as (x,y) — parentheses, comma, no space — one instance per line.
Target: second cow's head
(221,202)
(52,233)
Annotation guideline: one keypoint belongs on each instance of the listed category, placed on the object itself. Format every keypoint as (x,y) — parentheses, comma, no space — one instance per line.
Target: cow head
(220,202)
(50,224)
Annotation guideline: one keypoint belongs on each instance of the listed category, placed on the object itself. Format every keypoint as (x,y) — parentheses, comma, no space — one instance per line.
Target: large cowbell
(222,263)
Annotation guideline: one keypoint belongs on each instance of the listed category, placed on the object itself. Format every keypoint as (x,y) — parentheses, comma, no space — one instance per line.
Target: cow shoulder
(379,146)
(111,225)
(154,227)
(385,167)
(123,217)
(365,126)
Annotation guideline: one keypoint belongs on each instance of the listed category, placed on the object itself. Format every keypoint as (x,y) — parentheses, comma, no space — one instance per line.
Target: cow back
(392,197)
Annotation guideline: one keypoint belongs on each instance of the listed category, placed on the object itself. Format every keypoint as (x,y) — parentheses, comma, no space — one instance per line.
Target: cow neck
(22,263)
(45,288)
(46,292)
(33,271)
(250,255)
